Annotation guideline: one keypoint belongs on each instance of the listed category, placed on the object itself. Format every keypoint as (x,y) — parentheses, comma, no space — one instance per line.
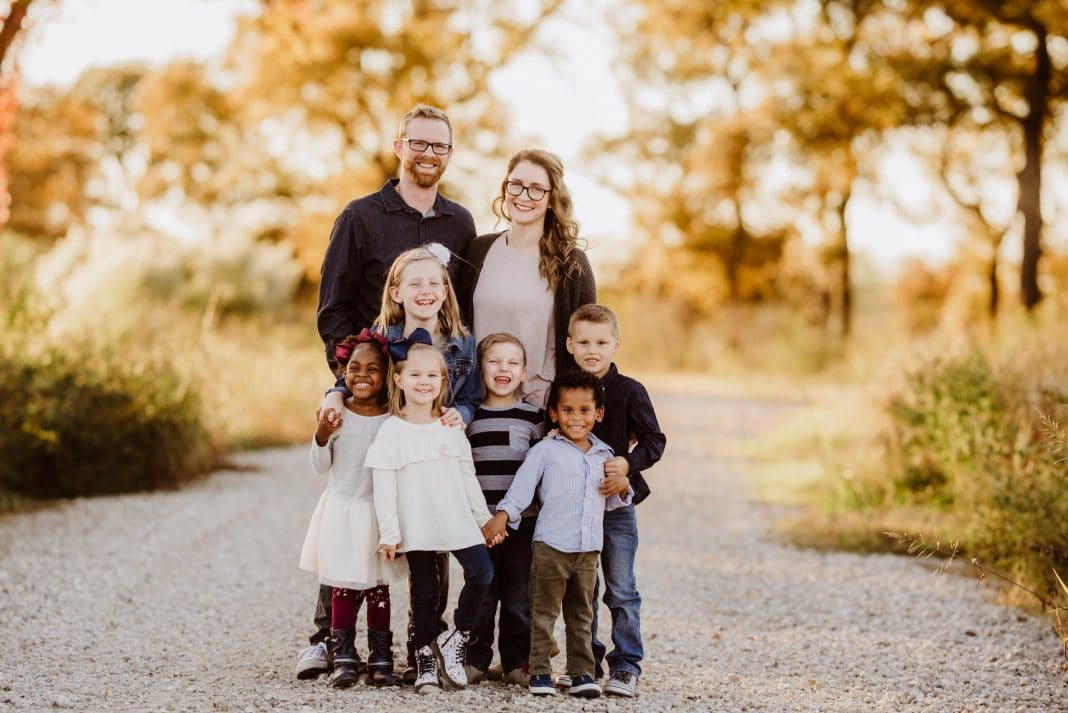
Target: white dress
(427,497)
(342,540)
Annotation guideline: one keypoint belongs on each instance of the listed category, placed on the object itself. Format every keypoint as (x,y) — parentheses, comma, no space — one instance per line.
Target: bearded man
(407,212)
(372,231)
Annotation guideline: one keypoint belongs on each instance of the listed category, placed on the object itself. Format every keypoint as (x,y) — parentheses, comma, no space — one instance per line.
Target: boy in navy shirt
(593,339)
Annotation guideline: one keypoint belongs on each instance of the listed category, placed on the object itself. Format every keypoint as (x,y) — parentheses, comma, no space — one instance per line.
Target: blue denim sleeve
(467,393)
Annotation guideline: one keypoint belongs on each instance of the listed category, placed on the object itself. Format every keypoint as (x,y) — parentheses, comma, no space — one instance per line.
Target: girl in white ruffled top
(428,500)
(342,540)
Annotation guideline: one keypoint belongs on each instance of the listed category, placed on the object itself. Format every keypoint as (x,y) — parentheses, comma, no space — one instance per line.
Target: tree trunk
(846,284)
(1030,178)
(995,291)
(12,25)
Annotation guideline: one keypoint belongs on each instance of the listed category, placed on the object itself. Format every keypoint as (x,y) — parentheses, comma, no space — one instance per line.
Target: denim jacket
(465,385)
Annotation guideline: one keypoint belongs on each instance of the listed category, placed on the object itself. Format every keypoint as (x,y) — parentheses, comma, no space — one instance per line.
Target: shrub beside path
(192,600)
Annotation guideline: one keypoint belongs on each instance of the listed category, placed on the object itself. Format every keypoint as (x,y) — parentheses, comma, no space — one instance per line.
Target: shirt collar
(612,374)
(393,201)
(596,444)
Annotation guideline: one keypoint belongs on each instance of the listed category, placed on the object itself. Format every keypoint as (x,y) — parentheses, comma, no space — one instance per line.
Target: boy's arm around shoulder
(525,484)
(642,423)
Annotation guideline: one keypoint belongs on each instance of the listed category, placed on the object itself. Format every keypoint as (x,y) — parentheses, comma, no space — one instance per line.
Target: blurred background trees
(177,198)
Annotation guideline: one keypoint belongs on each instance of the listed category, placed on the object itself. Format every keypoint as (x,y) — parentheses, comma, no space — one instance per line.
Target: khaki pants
(561,578)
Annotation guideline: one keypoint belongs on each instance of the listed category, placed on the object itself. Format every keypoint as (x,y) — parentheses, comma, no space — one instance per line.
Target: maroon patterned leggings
(345,603)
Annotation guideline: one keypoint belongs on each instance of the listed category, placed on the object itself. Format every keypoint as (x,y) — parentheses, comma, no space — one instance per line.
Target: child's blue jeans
(620,594)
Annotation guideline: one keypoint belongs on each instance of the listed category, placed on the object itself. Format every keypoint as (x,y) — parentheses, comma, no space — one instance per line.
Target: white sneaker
(427,666)
(563,681)
(313,661)
(451,650)
(622,683)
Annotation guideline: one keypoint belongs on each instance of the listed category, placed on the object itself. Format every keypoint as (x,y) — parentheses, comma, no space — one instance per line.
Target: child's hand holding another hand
(494,530)
(389,551)
(615,477)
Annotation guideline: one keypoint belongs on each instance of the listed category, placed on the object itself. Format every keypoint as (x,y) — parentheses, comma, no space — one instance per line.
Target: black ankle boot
(346,662)
(380,659)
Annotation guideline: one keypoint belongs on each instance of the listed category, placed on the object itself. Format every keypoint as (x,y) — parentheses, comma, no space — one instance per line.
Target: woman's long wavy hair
(560,236)
(391,313)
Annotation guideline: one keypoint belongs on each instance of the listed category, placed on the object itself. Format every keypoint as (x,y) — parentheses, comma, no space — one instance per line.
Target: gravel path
(192,600)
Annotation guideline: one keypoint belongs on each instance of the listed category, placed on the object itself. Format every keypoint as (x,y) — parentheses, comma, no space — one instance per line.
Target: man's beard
(423,180)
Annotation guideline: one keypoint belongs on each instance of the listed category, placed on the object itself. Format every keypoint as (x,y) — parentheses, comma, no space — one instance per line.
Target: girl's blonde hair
(396,396)
(560,236)
(449,321)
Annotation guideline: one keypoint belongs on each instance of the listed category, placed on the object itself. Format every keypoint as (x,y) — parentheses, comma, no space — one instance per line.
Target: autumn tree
(14,20)
(798,82)
(990,64)
(311,104)
(697,144)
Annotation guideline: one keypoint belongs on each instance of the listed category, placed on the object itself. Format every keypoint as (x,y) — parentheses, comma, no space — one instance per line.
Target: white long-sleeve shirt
(425,491)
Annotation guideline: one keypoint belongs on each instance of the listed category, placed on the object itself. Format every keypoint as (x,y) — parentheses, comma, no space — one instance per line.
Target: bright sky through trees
(557,100)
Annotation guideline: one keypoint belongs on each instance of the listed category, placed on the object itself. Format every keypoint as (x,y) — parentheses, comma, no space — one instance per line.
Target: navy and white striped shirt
(565,479)
(500,439)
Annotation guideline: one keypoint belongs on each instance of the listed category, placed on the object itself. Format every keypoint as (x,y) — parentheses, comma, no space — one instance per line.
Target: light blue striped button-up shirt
(571,518)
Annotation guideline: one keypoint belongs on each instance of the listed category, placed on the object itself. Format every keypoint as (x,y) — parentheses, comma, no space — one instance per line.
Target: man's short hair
(499,338)
(598,314)
(575,379)
(422,111)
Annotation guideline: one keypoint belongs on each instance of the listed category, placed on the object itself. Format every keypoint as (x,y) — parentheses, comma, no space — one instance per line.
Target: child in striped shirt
(502,431)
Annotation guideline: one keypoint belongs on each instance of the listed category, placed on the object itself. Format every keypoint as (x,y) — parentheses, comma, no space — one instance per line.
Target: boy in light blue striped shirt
(565,472)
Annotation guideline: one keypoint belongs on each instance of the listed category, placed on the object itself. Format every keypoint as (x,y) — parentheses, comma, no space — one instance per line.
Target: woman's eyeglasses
(535,193)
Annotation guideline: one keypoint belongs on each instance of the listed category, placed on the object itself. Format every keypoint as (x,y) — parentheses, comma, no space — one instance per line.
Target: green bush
(77,423)
(976,436)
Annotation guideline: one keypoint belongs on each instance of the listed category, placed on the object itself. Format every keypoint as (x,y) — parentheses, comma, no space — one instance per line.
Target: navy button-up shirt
(367,237)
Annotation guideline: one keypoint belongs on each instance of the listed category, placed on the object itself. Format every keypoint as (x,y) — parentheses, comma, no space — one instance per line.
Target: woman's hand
(389,551)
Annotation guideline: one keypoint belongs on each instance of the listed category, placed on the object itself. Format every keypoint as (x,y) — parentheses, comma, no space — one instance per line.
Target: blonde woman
(529,278)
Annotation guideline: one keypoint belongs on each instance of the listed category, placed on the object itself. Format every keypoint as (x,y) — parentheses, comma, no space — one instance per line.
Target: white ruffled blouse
(425,491)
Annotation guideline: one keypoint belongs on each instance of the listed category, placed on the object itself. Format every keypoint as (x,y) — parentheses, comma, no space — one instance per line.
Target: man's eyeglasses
(535,193)
(419,146)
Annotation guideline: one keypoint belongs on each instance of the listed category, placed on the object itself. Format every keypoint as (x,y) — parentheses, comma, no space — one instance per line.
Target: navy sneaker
(585,687)
(542,685)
